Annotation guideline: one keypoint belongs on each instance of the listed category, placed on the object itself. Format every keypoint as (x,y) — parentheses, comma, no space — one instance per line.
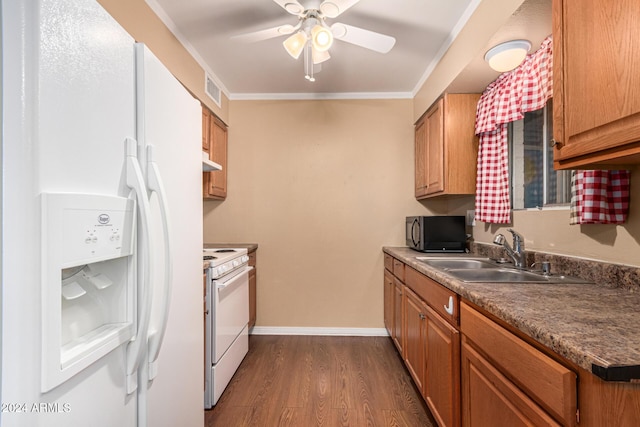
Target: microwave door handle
(413,232)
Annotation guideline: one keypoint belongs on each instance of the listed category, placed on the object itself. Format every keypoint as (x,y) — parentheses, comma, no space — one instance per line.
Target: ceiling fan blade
(333,8)
(291,6)
(364,38)
(269,33)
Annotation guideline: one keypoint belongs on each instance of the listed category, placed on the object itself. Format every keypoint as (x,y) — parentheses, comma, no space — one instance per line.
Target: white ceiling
(423,29)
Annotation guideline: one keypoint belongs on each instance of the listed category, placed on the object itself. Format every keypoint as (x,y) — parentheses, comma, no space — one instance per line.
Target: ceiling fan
(313,36)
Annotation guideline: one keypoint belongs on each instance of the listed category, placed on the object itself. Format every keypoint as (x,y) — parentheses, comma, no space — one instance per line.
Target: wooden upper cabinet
(421,158)
(596,71)
(214,184)
(206,116)
(446,147)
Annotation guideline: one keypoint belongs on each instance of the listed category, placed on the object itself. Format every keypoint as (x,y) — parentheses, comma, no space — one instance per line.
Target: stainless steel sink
(507,275)
(497,275)
(479,269)
(458,263)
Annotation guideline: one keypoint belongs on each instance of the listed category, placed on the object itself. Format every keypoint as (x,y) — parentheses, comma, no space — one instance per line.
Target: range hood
(208,165)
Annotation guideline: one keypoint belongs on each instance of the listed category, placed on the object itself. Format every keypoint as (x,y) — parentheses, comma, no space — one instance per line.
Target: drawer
(398,269)
(544,380)
(388,262)
(443,301)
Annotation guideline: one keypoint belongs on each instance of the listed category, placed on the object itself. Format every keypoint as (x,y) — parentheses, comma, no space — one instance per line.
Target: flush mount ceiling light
(508,55)
(314,32)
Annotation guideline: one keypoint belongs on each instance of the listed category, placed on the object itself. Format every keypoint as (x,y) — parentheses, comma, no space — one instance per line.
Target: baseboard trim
(286,330)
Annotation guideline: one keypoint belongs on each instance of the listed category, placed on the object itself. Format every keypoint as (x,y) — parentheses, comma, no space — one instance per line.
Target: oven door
(230,311)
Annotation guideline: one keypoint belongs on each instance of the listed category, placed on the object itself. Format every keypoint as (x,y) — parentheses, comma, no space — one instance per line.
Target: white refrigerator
(101,298)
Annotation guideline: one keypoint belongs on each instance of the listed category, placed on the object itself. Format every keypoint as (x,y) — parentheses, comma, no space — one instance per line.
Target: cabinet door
(397,314)
(414,337)
(252,297)
(421,158)
(442,386)
(388,301)
(596,82)
(489,399)
(435,149)
(218,154)
(205,128)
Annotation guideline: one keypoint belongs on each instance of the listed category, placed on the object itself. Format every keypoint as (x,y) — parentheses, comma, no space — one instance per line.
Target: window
(534,183)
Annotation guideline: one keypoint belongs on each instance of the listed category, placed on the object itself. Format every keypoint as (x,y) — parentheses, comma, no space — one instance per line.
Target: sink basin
(458,263)
(507,275)
(496,275)
(480,269)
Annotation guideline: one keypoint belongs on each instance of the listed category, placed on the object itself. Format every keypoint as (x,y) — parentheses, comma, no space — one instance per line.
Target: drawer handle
(449,308)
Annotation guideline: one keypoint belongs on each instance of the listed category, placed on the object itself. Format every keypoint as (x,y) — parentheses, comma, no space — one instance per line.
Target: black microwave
(436,233)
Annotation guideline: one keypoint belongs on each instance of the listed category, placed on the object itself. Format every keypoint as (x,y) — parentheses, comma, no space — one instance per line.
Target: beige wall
(550,231)
(486,20)
(144,25)
(321,186)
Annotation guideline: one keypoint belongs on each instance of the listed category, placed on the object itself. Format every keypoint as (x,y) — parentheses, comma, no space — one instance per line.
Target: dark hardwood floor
(307,381)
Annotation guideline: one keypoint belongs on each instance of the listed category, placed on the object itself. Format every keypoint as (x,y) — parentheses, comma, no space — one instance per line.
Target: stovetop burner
(208,257)
(224,250)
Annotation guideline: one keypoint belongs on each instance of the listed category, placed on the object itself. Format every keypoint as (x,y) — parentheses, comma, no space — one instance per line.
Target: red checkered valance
(526,88)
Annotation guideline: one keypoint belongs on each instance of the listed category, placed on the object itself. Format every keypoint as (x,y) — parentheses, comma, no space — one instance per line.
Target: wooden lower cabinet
(489,399)
(475,370)
(432,347)
(442,384)
(388,301)
(415,331)
(503,377)
(253,281)
(397,334)
(393,300)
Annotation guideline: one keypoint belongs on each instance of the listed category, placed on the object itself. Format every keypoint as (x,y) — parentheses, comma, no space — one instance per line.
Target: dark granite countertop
(594,326)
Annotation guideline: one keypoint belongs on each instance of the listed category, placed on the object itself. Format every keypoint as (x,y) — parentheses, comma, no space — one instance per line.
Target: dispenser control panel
(89,228)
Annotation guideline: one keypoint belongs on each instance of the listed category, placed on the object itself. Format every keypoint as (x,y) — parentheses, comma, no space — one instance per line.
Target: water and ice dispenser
(88,281)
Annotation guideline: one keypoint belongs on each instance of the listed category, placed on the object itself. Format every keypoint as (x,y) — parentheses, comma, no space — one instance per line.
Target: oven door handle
(240,276)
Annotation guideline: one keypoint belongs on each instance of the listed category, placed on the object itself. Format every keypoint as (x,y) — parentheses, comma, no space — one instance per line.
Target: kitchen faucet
(517,253)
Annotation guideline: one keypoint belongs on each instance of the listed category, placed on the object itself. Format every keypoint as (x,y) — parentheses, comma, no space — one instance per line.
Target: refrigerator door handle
(156,335)
(136,348)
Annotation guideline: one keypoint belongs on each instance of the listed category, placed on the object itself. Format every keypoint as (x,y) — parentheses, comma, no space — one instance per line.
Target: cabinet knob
(422,316)
(555,143)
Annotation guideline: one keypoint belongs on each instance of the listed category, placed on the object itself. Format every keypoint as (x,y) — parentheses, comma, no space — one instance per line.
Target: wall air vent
(212,89)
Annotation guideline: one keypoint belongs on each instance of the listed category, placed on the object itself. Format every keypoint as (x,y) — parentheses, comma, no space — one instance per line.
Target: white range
(226,318)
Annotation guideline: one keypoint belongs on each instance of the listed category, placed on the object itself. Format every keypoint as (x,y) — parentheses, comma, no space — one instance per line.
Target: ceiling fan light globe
(321,38)
(294,45)
(320,56)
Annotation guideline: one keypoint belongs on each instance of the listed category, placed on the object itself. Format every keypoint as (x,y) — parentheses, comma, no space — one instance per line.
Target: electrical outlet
(471,218)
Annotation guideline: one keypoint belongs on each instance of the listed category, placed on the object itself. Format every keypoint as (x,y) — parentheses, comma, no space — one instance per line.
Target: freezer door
(68,105)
